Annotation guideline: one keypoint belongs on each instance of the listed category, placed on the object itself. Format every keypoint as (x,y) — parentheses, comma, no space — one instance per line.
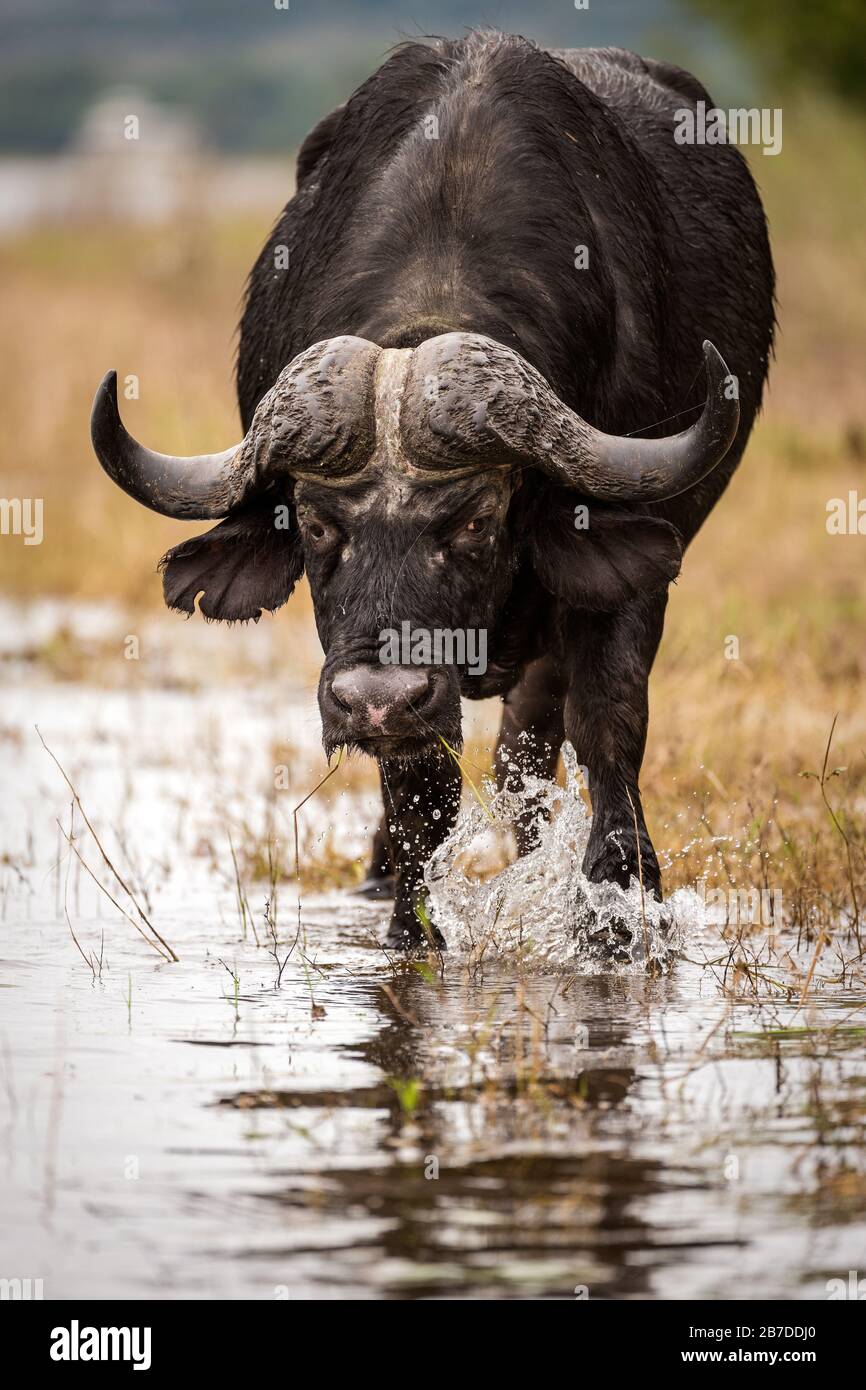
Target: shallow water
(523,1125)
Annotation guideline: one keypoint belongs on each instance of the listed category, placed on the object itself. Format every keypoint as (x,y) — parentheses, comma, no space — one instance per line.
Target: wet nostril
(415,688)
(344,691)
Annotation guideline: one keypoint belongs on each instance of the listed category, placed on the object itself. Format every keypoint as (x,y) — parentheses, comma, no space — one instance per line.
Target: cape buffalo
(500,285)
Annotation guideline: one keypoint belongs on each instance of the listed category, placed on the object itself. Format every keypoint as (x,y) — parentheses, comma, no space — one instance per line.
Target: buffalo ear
(317,144)
(243,565)
(599,558)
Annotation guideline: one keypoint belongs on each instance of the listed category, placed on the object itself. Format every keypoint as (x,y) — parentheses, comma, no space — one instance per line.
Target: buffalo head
(392,476)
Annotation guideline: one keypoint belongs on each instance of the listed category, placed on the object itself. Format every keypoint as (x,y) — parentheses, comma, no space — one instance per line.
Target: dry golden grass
(162,305)
(728,739)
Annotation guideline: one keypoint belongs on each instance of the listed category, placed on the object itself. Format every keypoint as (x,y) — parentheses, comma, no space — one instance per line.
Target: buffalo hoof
(376,886)
(610,943)
(617,942)
(412,937)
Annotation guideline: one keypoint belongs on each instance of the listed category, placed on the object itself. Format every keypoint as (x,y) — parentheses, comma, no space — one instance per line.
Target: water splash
(542,907)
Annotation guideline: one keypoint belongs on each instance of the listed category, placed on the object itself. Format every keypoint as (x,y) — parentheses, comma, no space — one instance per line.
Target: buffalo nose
(381,700)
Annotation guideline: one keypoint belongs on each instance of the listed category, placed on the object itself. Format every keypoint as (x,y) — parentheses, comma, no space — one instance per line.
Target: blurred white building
(133,160)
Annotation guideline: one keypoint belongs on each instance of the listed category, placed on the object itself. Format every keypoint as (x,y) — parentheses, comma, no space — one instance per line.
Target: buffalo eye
(319,533)
(466,536)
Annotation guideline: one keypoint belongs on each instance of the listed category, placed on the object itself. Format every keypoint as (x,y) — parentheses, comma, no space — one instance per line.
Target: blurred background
(133,254)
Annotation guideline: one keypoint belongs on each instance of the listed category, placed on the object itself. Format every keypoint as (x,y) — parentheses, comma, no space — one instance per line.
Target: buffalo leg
(530,738)
(606,713)
(412,793)
(379,879)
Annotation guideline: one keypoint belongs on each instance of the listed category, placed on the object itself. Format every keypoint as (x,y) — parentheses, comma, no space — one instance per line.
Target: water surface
(370,1128)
